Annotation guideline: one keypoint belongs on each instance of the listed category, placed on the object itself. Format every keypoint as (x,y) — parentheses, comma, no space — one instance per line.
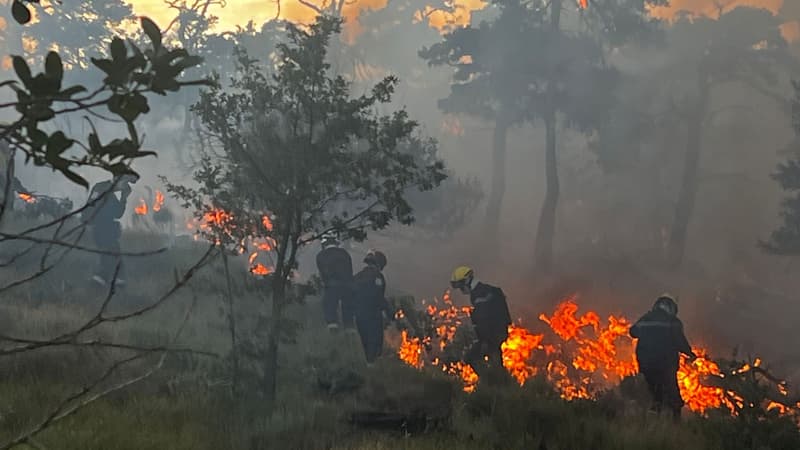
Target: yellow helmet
(461,276)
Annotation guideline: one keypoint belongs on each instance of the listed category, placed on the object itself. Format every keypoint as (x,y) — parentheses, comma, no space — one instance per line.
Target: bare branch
(16,237)
(314,7)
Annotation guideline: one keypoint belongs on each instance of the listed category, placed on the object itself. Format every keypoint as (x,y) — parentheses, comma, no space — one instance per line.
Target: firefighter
(107,201)
(660,340)
(371,304)
(336,271)
(490,318)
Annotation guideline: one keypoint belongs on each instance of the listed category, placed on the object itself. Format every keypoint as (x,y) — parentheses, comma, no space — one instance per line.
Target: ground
(324,385)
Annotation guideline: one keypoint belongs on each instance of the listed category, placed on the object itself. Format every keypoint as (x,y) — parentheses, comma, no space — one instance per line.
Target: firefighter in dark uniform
(490,318)
(110,198)
(371,305)
(336,271)
(660,340)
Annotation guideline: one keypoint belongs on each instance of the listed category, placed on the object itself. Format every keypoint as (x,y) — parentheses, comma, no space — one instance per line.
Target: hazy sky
(239,12)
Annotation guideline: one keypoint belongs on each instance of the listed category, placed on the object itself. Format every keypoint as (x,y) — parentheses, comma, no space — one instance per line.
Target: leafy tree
(786,239)
(529,65)
(129,75)
(743,46)
(488,77)
(292,143)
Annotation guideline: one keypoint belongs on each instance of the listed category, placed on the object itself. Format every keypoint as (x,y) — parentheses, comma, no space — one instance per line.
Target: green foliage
(130,74)
(296,143)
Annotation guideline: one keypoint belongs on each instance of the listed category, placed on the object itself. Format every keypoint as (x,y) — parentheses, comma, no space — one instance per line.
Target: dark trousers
(483,350)
(663,386)
(106,237)
(370,329)
(334,295)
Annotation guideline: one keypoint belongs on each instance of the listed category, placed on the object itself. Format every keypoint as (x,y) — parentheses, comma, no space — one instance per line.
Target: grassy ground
(323,380)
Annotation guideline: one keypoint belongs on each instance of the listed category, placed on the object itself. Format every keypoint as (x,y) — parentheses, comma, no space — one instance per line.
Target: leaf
(58,143)
(94,144)
(189,61)
(22,70)
(20,12)
(106,65)
(152,32)
(54,68)
(118,50)
(74,177)
(129,107)
(72,90)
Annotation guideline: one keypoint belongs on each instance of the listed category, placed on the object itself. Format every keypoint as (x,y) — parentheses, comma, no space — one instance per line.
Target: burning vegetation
(158,203)
(218,226)
(25,197)
(582,356)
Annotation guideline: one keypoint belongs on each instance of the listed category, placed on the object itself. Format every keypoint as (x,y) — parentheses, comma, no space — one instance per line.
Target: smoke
(611,227)
(712,8)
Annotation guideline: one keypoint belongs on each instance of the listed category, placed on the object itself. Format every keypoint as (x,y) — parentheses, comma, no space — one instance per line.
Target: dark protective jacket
(660,338)
(335,266)
(369,292)
(490,315)
(106,210)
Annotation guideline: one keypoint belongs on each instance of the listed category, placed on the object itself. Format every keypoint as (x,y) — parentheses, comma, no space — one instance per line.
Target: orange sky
(791,30)
(239,12)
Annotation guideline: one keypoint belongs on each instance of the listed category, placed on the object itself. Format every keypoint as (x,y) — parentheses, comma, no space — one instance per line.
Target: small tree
(786,239)
(292,144)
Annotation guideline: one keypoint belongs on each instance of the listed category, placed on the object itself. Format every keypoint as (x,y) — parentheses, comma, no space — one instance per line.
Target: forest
(171,171)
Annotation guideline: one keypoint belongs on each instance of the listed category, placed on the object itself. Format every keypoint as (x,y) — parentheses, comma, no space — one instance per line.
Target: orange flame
(142,208)
(260,269)
(159,202)
(27,198)
(410,350)
(586,358)
(517,351)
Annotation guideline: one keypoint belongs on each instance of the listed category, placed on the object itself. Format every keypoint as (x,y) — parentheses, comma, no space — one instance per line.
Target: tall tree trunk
(271,363)
(684,207)
(232,329)
(545,232)
(498,190)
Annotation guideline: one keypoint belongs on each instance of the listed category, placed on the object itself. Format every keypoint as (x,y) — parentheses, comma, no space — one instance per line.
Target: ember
(218,224)
(27,198)
(159,202)
(141,209)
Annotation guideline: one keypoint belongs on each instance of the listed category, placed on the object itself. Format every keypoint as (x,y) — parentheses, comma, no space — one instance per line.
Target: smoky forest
(399,224)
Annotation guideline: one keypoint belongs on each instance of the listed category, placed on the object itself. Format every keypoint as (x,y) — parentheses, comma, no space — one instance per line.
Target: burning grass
(582,356)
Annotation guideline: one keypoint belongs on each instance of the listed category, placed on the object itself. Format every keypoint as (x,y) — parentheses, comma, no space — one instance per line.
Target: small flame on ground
(159,201)
(27,198)
(141,209)
(260,269)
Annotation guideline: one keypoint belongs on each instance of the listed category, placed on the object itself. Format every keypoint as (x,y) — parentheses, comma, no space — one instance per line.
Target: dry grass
(187,405)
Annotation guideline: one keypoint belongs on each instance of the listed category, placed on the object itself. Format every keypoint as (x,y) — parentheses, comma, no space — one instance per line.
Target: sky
(239,12)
